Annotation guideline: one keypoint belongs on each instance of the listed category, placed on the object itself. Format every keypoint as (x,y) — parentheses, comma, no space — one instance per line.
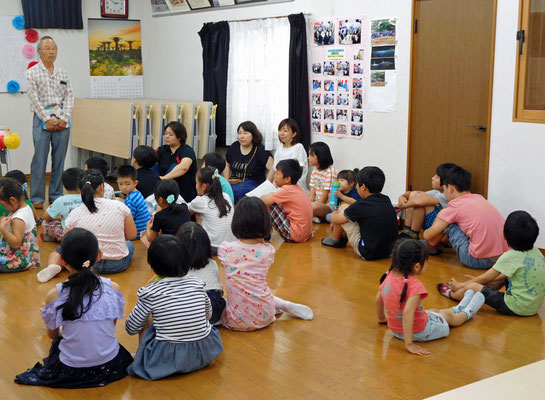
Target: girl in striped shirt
(319,157)
(171,317)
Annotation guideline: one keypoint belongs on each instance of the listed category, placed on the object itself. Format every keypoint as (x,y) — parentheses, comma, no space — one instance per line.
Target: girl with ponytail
(109,220)
(87,307)
(212,208)
(399,300)
(169,216)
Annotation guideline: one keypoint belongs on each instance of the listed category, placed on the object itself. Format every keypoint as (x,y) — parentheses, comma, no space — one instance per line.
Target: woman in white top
(289,135)
(212,208)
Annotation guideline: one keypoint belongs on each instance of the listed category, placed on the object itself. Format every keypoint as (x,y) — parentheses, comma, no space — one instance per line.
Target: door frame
(490,87)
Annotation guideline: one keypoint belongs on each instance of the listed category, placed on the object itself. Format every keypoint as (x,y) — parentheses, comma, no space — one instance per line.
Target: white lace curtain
(257,83)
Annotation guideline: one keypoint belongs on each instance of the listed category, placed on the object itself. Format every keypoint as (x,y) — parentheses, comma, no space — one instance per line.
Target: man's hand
(51,124)
(61,125)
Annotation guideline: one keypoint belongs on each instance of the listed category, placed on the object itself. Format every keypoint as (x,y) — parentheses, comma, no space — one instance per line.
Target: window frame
(520,114)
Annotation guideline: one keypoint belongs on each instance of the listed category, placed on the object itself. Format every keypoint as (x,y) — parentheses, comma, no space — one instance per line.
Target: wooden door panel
(451,88)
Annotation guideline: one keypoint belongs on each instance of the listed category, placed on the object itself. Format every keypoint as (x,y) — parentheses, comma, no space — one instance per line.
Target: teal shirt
(526,273)
(227,189)
(63,206)
(5,213)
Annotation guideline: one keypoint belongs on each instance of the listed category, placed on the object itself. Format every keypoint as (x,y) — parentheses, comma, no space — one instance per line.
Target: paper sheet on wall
(382,96)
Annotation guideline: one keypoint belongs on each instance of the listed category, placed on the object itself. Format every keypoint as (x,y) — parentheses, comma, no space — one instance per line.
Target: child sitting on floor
(347,192)
(126,180)
(86,307)
(55,216)
(290,209)
(171,316)
(246,262)
(217,161)
(19,246)
(319,157)
(473,225)
(521,270)
(399,300)
(370,224)
(421,208)
(144,158)
(101,164)
(20,177)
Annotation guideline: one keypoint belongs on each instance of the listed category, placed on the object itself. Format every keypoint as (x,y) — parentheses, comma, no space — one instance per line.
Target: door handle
(478,127)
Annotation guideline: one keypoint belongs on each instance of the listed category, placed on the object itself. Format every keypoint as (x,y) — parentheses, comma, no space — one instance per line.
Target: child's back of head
(521,231)
(211,177)
(9,188)
(169,191)
(194,237)
(98,163)
(290,169)
(89,182)
(145,156)
(458,177)
(251,219)
(372,177)
(70,179)
(214,160)
(168,257)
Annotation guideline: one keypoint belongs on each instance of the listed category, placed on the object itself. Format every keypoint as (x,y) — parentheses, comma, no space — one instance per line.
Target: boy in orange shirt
(290,208)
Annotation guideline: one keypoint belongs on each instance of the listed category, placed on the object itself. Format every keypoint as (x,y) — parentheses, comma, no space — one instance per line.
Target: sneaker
(338,244)
(432,250)
(444,289)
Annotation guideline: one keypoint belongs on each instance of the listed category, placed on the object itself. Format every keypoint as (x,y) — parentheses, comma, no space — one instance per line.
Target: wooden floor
(341,354)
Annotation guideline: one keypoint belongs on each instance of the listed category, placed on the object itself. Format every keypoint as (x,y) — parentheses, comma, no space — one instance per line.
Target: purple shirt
(88,341)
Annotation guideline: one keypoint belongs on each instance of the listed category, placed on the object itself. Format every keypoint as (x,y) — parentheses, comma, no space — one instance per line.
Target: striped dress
(139,210)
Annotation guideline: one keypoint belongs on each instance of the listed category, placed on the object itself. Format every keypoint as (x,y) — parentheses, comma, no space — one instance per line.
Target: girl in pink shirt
(246,262)
(399,300)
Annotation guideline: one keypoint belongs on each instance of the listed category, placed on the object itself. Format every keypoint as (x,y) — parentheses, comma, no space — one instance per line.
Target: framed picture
(178,5)
(248,1)
(199,4)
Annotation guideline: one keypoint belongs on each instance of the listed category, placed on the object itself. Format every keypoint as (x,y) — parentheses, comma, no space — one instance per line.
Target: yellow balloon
(12,140)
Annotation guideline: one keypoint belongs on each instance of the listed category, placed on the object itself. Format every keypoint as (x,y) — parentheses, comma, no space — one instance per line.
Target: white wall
(74,57)
(517,163)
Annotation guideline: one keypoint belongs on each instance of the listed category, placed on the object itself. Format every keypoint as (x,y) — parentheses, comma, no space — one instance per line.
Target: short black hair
(520,230)
(17,175)
(214,160)
(194,237)
(294,126)
(323,154)
(126,171)
(458,177)
(290,169)
(145,156)
(348,174)
(168,257)
(249,126)
(98,163)
(70,178)
(251,219)
(179,131)
(442,171)
(372,177)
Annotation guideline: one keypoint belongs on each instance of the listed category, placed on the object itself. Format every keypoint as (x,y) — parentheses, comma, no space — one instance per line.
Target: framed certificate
(248,1)
(199,4)
(178,5)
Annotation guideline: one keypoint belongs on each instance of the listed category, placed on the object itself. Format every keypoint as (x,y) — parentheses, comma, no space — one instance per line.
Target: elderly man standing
(51,101)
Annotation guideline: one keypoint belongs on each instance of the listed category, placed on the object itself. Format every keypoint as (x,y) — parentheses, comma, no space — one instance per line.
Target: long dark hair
(194,237)
(405,254)
(169,191)
(89,181)
(79,249)
(214,190)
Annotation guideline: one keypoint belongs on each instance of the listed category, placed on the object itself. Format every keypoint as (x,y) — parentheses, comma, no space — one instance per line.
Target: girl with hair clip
(109,220)
(399,300)
(169,216)
(19,246)
(246,262)
(171,317)
(323,174)
(20,177)
(203,266)
(212,208)
(86,308)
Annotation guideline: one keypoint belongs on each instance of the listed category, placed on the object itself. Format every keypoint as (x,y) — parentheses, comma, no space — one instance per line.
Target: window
(530,80)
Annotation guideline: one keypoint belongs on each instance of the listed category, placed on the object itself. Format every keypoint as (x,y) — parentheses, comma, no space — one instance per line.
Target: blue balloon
(18,22)
(13,86)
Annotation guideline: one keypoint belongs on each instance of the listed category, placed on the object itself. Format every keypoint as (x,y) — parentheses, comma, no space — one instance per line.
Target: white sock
(48,272)
(468,295)
(297,310)
(474,305)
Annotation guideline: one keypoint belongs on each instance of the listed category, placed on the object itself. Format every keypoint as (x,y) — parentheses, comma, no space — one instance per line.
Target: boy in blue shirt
(55,216)
(127,182)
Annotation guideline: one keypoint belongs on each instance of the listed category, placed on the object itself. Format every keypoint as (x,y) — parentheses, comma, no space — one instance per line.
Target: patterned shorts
(430,217)
(53,229)
(281,222)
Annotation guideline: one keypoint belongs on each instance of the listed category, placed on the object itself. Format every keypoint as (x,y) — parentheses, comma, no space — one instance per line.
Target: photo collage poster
(337,76)
(382,95)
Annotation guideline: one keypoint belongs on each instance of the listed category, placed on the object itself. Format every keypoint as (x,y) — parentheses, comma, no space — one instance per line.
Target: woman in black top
(177,160)
(247,160)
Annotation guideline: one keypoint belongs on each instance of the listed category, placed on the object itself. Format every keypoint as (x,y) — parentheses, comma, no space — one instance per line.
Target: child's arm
(151,235)
(338,217)
(422,200)
(402,200)
(312,194)
(347,199)
(434,234)
(268,200)
(483,279)
(408,323)
(130,228)
(50,298)
(47,217)
(15,237)
(270,176)
(325,197)
(379,306)
(138,317)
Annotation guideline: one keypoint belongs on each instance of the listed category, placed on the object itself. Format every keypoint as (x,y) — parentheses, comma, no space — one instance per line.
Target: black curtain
(62,14)
(215,57)
(299,106)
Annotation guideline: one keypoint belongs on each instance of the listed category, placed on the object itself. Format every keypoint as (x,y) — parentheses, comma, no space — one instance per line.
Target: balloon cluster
(9,140)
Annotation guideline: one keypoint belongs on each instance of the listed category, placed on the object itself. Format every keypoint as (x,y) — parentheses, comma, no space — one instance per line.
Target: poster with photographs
(340,49)
(382,95)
